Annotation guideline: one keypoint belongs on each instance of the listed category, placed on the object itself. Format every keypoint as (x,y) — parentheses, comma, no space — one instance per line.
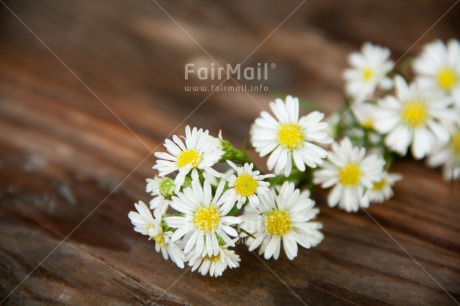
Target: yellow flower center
(367,74)
(350,175)
(414,113)
(278,222)
(455,143)
(446,78)
(207,218)
(213,258)
(245,185)
(189,157)
(290,136)
(160,239)
(367,123)
(380,184)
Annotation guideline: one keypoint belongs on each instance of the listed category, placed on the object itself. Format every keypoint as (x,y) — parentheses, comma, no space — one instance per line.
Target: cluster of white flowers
(201,214)
(198,215)
(422,115)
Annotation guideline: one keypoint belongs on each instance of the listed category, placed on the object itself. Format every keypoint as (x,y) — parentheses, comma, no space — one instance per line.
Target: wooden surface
(70,170)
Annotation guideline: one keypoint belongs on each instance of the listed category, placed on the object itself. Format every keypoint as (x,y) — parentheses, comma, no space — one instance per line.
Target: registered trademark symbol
(273,66)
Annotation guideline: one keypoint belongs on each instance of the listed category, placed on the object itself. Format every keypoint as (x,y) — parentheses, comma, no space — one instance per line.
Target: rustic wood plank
(62,152)
(320,275)
(69,275)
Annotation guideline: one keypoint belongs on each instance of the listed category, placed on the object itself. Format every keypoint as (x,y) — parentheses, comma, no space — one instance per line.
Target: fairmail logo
(228,72)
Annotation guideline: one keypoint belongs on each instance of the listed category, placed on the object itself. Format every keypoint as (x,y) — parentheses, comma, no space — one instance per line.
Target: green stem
(247,233)
(297,177)
(234,155)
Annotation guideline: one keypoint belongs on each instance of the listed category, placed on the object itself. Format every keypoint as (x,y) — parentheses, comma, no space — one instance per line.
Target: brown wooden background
(65,154)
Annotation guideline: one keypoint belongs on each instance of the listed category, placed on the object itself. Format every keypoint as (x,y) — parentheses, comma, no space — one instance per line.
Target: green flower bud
(167,187)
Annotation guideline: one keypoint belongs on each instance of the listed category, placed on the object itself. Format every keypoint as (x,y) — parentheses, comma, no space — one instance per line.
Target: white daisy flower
(412,118)
(142,219)
(246,184)
(350,171)
(168,248)
(204,218)
(448,155)
(365,114)
(145,224)
(369,70)
(289,138)
(382,189)
(200,151)
(438,68)
(283,217)
(215,265)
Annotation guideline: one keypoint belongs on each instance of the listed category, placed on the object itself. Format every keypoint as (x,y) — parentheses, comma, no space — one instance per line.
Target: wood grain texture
(66,160)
